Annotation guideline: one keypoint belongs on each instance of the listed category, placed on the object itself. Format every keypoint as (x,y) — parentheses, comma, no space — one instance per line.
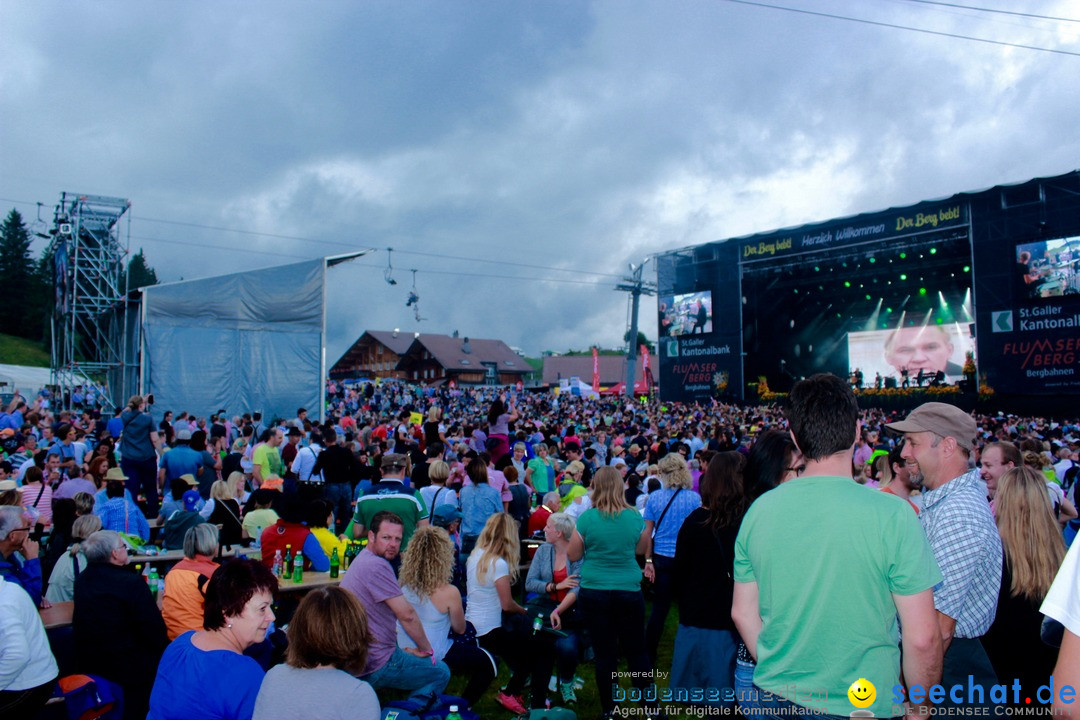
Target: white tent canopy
(24,378)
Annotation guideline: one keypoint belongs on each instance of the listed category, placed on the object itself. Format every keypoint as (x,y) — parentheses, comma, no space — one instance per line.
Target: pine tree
(140,274)
(39,301)
(16,270)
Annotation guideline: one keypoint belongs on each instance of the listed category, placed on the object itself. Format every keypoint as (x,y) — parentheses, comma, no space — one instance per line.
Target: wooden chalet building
(374,355)
(430,358)
(435,359)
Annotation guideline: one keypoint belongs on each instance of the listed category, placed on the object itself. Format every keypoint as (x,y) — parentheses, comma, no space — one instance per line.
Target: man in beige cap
(956,517)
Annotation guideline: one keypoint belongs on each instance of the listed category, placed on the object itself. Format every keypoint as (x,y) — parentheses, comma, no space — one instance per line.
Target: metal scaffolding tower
(637,287)
(89,331)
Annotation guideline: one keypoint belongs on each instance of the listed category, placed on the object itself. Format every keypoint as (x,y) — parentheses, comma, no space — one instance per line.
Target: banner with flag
(646,376)
(595,369)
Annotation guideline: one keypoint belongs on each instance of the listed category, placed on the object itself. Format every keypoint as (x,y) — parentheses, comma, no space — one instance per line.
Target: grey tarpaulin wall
(243,342)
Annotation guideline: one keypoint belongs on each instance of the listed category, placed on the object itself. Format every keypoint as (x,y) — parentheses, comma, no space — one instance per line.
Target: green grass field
(20,351)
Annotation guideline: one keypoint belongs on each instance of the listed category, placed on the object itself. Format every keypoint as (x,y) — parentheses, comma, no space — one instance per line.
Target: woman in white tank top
(426,569)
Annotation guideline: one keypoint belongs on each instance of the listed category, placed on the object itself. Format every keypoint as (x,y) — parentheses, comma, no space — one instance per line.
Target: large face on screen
(919,348)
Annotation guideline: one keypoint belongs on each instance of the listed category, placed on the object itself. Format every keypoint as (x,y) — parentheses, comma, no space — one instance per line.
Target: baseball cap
(191,500)
(189,479)
(393,460)
(942,419)
(183,434)
(445,514)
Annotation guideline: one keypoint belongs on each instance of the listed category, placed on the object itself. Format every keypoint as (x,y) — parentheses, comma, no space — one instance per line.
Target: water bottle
(538,623)
(278,562)
(453,714)
(298,573)
(153,582)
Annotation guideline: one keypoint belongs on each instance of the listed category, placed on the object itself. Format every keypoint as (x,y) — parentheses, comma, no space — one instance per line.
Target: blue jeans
(704,659)
(744,678)
(663,593)
(415,675)
(142,475)
(339,495)
(566,655)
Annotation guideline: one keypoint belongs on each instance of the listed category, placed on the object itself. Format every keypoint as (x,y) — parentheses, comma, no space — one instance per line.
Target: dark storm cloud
(566,135)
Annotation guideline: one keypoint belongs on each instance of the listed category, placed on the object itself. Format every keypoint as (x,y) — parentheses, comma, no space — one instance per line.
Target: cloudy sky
(518,155)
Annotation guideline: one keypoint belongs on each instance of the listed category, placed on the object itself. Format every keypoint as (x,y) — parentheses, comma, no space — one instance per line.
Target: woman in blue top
(204,673)
(609,535)
(665,512)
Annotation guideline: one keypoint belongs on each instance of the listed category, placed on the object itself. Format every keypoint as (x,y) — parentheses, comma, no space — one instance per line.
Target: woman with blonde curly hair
(1033,550)
(492,570)
(665,512)
(426,569)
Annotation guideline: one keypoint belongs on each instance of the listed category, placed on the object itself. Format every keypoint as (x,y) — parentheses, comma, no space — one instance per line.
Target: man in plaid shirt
(956,517)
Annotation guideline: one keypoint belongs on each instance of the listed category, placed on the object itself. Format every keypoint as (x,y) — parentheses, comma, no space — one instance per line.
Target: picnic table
(310,581)
(57,616)
(169,557)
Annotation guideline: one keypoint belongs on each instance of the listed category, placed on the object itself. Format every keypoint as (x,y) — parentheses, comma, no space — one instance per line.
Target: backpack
(89,697)
(1069,478)
(436,708)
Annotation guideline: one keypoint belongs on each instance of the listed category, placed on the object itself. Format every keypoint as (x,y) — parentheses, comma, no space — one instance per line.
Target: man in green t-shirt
(266,459)
(390,495)
(823,567)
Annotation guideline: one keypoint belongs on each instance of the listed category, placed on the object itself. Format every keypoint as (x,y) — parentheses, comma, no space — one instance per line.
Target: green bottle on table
(335,565)
(289,562)
(298,573)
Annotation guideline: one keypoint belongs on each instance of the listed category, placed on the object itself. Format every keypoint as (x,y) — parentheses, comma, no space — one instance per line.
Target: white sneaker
(579,682)
(553,684)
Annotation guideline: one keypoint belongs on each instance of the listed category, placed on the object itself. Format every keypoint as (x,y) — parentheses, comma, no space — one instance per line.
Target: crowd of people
(807,550)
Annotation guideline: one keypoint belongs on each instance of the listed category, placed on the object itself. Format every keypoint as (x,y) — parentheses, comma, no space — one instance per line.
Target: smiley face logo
(862,693)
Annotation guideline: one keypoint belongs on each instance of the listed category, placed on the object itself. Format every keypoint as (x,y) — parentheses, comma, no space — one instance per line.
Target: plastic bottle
(538,623)
(298,573)
(453,714)
(139,570)
(335,565)
(153,582)
(278,562)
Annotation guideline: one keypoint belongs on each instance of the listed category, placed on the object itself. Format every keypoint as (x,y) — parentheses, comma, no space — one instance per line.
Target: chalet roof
(398,342)
(450,353)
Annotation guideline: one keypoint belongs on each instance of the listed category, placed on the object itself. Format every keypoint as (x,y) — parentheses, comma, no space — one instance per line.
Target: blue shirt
(181,460)
(115,427)
(135,442)
(122,516)
(101,497)
(478,503)
(210,684)
(665,536)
